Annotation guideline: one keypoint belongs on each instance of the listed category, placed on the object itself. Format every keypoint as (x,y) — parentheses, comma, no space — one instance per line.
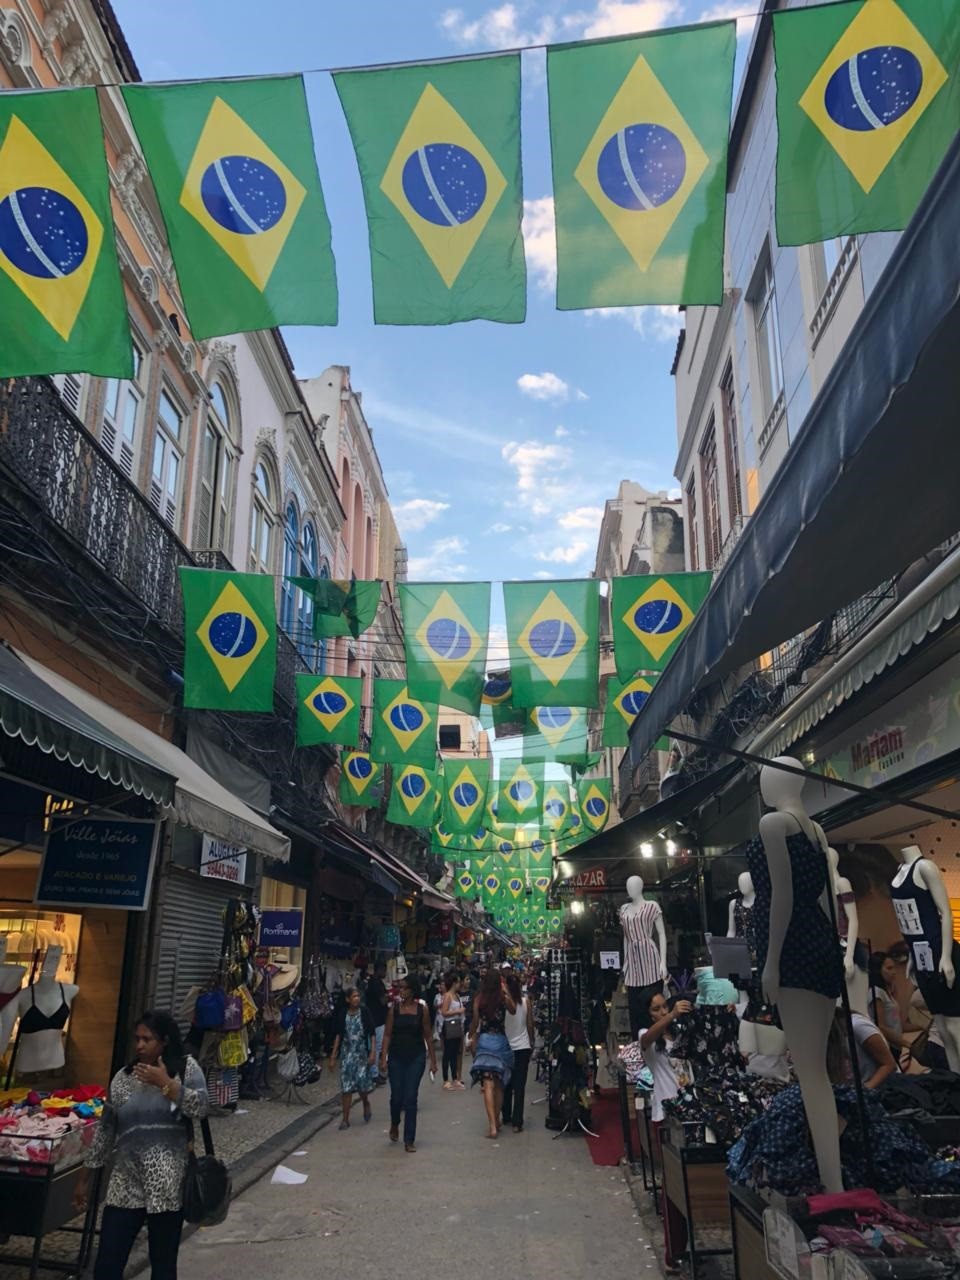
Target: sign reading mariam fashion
(222,861)
(98,862)
(281,928)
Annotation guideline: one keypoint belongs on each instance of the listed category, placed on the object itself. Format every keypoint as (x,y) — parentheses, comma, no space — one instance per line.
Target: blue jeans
(376,1066)
(405,1080)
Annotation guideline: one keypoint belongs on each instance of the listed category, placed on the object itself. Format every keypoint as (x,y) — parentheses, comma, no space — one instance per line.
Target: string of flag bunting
(866,103)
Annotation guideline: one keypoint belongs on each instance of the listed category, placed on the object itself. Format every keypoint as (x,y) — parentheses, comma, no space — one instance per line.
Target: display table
(746,1229)
(695,1183)
(649,1156)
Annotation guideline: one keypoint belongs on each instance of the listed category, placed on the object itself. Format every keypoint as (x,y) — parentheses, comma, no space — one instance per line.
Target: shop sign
(222,861)
(593,881)
(98,862)
(281,928)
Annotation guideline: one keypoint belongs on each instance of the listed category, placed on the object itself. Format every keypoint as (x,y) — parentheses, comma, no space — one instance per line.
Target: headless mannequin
(806,1015)
(43,1050)
(645,962)
(11,980)
(936,985)
(747,897)
(848,916)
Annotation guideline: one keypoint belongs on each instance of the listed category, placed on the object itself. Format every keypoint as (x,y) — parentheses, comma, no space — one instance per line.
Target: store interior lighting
(671,847)
(576,907)
(646,849)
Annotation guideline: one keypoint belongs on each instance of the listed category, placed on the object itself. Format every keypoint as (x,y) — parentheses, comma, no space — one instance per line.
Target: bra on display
(35,1019)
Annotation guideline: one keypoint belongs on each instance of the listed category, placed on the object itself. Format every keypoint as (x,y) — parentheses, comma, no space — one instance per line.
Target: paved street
(522,1206)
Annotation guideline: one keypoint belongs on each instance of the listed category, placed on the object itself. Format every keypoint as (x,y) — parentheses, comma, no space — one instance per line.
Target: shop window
(728,404)
(276,895)
(217,466)
(694,538)
(122,411)
(763,302)
(165,480)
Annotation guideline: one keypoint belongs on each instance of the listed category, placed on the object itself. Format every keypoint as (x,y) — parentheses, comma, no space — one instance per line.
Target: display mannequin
(11,980)
(848,927)
(740,917)
(44,1008)
(797,949)
(644,961)
(926,922)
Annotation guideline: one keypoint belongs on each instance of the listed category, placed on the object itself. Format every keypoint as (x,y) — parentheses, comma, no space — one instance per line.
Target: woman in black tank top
(407,1041)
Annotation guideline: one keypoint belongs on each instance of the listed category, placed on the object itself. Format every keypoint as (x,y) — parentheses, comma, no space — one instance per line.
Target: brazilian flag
(625,700)
(594,797)
(553,633)
(328,709)
(868,101)
(520,794)
(233,166)
(341,607)
(638,130)
(650,615)
(62,307)
(438,147)
(230,640)
(465,786)
(413,797)
(404,728)
(445,628)
(557,733)
(361,780)
(556,805)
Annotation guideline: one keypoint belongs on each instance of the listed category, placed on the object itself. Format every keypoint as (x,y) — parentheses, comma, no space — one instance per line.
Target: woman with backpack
(355,1040)
(407,1042)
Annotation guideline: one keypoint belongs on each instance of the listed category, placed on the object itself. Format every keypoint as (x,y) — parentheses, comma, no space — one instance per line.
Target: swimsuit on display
(809,957)
(919,922)
(35,1019)
(743,921)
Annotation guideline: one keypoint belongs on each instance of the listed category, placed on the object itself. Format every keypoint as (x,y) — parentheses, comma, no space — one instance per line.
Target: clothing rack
(564,975)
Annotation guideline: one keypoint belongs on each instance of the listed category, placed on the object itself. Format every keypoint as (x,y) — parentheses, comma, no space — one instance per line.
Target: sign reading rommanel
(281,928)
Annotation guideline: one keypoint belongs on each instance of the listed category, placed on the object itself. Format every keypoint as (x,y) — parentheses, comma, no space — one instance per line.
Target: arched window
(217,474)
(291,567)
(263,519)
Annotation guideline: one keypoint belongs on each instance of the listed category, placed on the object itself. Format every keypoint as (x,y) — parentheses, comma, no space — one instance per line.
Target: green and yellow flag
(556,805)
(465,784)
(553,632)
(594,797)
(230,640)
(62,307)
(442,839)
(361,780)
(625,699)
(413,796)
(868,101)
(556,733)
(466,884)
(638,131)
(233,166)
(445,628)
(520,793)
(341,607)
(438,147)
(328,709)
(404,728)
(650,615)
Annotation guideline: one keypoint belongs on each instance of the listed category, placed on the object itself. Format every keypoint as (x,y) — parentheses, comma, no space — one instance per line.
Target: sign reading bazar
(592,881)
(98,862)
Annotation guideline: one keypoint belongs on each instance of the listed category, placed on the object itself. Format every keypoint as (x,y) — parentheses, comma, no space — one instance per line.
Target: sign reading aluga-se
(222,861)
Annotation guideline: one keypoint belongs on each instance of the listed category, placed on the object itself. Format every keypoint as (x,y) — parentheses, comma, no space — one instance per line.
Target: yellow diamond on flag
(442,834)
(241,193)
(880,39)
(491,883)
(466,881)
(232,635)
(465,793)
(642,129)
(556,723)
(435,138)
(556,803)
(632,697)
(447,639)
(595,808)
(413,787)
(360,770)
(520,791)
(658,617)
(58,230)
(407,719)
(542,883)
(329,702)
(552,638)
(515,885)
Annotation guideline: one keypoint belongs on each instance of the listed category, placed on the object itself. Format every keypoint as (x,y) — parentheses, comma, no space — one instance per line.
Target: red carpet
(607,1147)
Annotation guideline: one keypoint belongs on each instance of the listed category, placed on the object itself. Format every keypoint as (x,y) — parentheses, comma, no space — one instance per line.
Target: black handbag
(206,1184)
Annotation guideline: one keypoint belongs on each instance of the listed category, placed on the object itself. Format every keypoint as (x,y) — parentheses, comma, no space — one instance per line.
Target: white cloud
(581,518)
(540,241)
(544,573)
(417,513)
(731,9)
(500,527)
(498,28)
(518,25)
(446,435)
(548,386)
(622,17)
(571,554)
(560,432)
(443,561)
(662,323)
(540,472)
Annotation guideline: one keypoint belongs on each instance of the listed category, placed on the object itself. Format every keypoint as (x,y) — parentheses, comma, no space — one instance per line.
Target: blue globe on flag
(641,167)
(243,195)
(444,183)
(42,233)
(873,89)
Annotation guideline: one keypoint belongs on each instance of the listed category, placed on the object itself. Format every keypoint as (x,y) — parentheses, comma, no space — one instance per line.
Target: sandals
(344,1124)
(367,1113)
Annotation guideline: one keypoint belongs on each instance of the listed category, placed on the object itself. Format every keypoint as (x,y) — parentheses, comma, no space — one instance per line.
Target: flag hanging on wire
(557,733)
(520,792)
(553,632)
(556,805)
(650,615)
(62,307)
(234,169)
(230,640)
(638,131)
(625,699)
(413,796)
(328,709)
(438,148)
(404,728)
(341,607)
(464,793)
(868,101)
(594,797)
(445,628)
(361,780)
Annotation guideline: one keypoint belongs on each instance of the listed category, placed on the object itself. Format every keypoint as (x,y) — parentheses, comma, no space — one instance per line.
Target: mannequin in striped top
(644,961)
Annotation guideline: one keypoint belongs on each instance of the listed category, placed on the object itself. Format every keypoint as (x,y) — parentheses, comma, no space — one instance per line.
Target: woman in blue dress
(355,1042)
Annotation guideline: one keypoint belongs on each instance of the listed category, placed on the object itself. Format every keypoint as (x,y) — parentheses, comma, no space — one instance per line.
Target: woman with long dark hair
(407,1041)
(883,1005)
(492,1055)
(452,1015)
(655,1045)
(355,1044)
(522,1037)
(142,1132)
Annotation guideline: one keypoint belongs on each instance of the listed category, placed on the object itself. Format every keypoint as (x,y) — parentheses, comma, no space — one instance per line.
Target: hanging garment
(41,1036)
(919,922)
(809,958)
(641,965)
(708,1036)
(743,921)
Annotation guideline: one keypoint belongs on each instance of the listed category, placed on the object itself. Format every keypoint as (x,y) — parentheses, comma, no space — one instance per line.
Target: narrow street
(525,1205)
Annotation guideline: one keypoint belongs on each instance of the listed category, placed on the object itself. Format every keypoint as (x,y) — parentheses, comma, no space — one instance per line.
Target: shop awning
(358,855)
(868,485)
(42,717)
(197,801)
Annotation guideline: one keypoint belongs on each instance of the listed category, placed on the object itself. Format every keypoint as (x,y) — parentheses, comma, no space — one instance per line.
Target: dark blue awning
(868,486)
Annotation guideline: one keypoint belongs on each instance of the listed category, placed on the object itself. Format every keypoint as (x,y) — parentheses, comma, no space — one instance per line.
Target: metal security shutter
(190,935)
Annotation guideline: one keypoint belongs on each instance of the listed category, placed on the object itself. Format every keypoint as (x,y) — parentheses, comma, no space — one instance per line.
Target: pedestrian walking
(142,1134)
(355,1042)
(492,1055)
(378,1003)
(452,1013)
(407,1043)
(522,1037)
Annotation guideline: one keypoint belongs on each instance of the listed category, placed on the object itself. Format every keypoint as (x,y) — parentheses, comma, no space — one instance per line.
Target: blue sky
(499,443)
